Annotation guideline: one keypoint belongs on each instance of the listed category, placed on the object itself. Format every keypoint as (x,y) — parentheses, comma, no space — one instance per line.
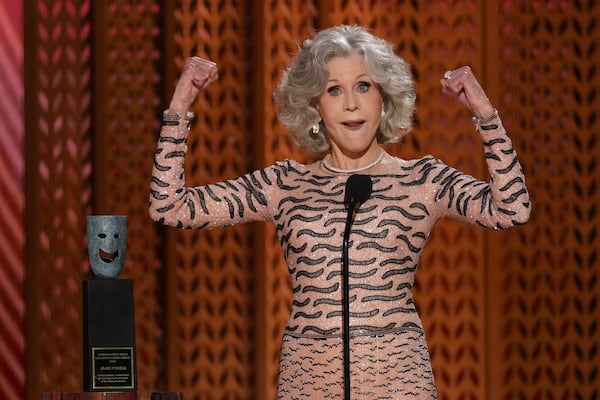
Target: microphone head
(358,190)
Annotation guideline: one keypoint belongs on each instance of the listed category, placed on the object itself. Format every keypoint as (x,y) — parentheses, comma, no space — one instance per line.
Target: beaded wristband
(175,119)
(478,121)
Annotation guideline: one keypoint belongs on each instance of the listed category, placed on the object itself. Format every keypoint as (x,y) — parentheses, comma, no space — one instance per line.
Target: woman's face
(350,108)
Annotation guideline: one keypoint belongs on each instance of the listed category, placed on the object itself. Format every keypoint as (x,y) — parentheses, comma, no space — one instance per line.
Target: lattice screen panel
(211,299)
(548,313)
(12,231)
(58,183)
(126,90)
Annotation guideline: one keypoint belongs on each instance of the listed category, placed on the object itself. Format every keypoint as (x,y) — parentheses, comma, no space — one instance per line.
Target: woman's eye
(334,90)
(363,87)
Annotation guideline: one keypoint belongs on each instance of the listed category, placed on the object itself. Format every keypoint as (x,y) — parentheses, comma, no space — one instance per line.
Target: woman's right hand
(197,74)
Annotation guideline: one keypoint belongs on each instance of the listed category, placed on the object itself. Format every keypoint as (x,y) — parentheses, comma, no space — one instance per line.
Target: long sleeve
(502,202)
(213,205)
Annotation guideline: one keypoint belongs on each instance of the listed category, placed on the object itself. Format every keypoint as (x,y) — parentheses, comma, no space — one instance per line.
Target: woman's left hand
(462,84)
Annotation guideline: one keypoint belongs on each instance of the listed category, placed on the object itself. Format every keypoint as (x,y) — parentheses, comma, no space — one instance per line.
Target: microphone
(358,190)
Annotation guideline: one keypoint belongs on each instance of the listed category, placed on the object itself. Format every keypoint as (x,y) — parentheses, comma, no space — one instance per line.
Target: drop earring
(316,128)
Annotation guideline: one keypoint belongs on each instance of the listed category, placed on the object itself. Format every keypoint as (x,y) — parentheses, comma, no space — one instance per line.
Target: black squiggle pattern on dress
(390,230)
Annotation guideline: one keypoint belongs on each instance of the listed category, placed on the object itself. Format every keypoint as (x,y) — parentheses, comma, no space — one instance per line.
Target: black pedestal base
(109,357)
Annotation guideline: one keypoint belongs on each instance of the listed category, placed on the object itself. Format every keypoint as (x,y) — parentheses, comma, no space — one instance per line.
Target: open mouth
(353,124)
(108,257)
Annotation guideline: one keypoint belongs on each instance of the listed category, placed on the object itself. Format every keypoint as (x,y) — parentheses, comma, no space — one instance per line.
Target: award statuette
(109,356)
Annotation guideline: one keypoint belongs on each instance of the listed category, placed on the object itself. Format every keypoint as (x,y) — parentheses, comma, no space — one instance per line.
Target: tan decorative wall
(509,315)
(544,330)
(58,188)
(126,76)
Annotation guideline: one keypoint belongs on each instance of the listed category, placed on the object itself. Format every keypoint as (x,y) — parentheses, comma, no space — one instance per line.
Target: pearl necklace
(353,170)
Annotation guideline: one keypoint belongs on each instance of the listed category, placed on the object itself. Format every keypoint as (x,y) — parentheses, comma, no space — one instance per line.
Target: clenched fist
(462,84)
(197,74)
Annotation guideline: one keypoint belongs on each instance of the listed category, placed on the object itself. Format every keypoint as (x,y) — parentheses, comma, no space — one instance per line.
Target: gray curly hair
(305,78)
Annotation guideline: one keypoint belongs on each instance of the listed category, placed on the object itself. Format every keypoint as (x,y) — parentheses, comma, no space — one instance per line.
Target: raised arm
(502,202)
(171,201)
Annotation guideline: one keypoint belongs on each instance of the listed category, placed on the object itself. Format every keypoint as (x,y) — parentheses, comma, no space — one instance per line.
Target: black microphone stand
(358,189)
(346,299)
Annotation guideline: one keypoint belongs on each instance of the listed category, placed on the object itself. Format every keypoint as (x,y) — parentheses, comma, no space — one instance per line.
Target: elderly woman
(345,95)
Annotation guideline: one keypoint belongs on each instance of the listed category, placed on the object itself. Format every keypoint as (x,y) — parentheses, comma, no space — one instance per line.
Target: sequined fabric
(391,366)
(389,232)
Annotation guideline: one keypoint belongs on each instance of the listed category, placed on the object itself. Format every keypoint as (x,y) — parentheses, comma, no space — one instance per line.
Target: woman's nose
(350,102)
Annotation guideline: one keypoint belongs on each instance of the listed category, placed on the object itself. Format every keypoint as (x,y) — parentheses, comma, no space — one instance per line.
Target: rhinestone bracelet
(174,119)
(478,121)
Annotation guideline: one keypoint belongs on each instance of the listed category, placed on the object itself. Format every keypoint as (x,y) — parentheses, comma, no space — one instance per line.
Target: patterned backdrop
(12,199)
(509,315)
